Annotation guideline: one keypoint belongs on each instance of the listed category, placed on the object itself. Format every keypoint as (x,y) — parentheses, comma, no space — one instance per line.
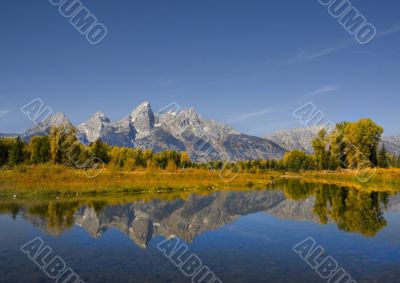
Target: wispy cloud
(389,31)
(250,115)
(305,56)
(285,107)
(321,90)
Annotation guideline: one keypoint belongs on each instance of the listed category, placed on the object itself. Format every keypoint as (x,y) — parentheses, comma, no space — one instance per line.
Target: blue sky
(249,64)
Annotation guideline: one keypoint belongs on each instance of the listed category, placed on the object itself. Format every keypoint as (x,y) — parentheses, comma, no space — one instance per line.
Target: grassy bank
(371,179)
(41,180)
(51,179)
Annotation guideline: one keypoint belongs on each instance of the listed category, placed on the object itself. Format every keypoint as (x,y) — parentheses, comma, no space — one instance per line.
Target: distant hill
(8,135)
(301,139)
(295,139)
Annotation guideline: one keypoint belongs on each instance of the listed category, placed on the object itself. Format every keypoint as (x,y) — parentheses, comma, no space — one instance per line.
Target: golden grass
(53,179)
(47,179)
(370,179)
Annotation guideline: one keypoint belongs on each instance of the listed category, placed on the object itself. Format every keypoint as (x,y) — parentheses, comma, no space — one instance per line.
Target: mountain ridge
(184,130)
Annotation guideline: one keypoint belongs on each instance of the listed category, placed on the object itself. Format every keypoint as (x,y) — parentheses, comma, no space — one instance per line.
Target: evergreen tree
(40,149)
(100,151)
(5,146)
(383,159)
(16,153)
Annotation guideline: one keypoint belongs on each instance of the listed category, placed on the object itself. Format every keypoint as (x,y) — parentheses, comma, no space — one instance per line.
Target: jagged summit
(142,118)
(92,128)
(184,130)
(43,127)
(99,115)
(58,118)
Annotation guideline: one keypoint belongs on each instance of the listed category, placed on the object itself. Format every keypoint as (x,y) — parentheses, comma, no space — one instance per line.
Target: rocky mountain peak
(43,128)
(57,119)
(142,118)
(92,128)
(183,130)
(100,116)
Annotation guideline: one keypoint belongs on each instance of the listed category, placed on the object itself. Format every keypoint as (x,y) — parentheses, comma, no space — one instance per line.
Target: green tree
(40,149)
(100,151)
(5,146)
(383,158)
(55,148)
(338,146)
(161,158)
(297,160)
(65,147)
(17,153)
(362,138)
(321,153)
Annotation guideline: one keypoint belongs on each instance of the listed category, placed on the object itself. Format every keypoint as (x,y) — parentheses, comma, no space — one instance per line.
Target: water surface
(242,236)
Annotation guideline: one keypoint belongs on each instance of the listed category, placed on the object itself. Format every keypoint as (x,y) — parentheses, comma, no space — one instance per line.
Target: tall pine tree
(383,158)
(16,153)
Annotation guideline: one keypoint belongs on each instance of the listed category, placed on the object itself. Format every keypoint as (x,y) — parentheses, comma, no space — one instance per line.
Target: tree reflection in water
(352,210)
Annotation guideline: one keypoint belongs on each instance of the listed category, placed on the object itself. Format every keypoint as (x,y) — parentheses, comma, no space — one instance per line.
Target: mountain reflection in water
(189,215)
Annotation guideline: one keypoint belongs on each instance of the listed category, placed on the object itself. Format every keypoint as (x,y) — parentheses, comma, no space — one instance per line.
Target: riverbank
(370,179)
(58,180)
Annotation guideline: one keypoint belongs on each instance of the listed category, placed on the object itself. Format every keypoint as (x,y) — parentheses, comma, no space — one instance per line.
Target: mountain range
(185,130)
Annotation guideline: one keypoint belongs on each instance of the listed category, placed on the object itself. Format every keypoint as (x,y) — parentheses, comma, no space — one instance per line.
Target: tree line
(348,146)
(62,146)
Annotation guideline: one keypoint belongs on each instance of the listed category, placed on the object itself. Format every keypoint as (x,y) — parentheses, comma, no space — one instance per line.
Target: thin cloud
(306,56)
(247,116)
(250,115)
(321,90)
(392,30)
